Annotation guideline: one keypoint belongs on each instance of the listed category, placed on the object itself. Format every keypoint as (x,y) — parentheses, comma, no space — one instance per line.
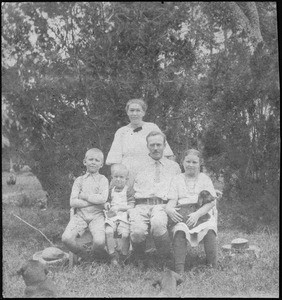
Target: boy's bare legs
(125,245)
(124,230)
(111,244)
(110,241)
(73,246)
(75,227)
(97,229)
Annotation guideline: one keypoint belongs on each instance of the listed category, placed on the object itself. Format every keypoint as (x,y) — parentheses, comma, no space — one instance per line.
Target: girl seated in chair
(185,189)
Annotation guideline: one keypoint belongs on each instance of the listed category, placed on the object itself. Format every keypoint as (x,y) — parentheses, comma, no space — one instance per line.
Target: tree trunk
(246,16)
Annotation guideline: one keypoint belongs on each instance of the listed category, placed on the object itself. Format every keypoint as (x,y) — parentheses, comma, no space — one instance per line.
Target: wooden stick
(35,229)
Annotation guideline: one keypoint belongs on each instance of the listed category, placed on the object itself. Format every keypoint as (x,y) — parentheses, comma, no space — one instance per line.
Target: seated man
(88,196)
(151,186)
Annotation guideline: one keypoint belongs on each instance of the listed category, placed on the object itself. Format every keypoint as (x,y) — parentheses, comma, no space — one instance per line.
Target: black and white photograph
(140,149)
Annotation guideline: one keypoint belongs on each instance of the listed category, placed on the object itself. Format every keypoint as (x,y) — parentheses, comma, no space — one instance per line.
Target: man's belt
(149,201)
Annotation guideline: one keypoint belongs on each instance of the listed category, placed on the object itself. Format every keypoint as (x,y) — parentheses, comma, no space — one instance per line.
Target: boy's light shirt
(96,187)
(145,185)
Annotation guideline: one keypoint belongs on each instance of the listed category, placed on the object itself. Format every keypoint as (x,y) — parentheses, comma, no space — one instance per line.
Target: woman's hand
(193,219)
(173,214)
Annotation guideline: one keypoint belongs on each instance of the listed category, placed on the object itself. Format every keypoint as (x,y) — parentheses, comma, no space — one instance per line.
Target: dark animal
(168,283)
(186,209)
(37,284)
(11,180)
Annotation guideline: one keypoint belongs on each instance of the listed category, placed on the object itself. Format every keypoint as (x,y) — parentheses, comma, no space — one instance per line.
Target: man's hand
(173,214)
(192,219)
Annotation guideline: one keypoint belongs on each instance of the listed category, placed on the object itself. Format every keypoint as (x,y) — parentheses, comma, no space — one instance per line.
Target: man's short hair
(154,133)
(95,150)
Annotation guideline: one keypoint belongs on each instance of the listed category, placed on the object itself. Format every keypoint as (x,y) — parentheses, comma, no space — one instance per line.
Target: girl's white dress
(179,190)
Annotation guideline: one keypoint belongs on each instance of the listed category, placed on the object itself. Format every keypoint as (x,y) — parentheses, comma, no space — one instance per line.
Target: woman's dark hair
(140,101)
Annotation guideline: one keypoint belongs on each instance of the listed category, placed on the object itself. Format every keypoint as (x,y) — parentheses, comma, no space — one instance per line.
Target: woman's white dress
(130,148)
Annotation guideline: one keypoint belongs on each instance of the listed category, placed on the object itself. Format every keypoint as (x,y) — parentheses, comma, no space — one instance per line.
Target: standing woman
(129,146)
(185,189)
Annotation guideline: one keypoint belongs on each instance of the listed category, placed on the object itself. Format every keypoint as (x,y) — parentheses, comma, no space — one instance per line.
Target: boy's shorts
(77,225)
(122,228)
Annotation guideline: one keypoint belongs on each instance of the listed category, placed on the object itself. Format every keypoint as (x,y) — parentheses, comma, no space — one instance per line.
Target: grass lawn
(239,276)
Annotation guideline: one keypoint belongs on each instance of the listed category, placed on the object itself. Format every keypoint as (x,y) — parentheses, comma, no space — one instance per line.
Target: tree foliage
(209,72)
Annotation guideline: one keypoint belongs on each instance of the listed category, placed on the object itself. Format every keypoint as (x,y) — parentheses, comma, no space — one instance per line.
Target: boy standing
(116,213)
(88,196)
